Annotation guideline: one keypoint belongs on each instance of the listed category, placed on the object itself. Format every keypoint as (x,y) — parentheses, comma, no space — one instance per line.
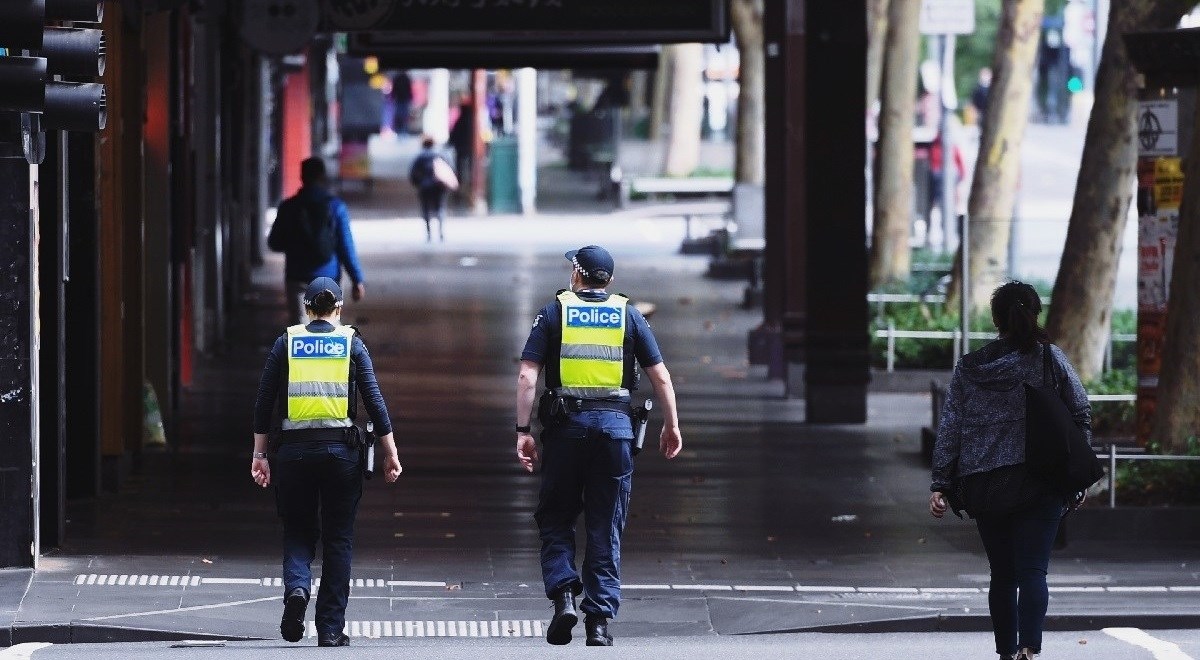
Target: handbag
(1057,450)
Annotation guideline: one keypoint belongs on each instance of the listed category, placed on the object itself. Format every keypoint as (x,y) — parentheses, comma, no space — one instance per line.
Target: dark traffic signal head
(27,83)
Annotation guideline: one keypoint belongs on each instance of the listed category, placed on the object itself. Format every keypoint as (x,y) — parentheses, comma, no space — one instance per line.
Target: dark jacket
(982,423)
(345,256)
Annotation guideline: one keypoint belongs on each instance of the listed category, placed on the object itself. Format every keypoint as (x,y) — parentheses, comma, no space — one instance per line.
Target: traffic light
(27,82)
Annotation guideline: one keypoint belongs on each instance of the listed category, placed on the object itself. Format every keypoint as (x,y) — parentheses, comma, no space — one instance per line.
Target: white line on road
(1162,649)
(22,651)
(183,609)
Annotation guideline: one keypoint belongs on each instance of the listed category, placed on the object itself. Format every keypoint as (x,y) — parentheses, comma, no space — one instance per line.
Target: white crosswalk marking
(1162,649)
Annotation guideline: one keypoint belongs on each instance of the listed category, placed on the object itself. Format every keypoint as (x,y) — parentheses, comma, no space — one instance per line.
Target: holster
(552,410)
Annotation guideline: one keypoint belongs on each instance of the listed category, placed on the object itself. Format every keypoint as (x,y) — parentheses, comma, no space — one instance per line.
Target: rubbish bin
(504,193)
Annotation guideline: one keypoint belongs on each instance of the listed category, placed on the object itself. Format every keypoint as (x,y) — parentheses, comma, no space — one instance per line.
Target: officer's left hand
(260,471)
(670,441)
(527,450)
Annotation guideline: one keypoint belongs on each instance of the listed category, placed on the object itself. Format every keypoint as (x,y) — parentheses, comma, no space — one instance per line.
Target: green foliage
(974,51)
(1113,418)
(1160,483)
(920,353)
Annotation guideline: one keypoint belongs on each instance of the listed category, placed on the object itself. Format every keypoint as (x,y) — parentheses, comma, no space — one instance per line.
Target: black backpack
(1056,449)
(311,230)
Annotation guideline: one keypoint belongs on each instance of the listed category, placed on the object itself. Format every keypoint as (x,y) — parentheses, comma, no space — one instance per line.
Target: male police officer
(588,340)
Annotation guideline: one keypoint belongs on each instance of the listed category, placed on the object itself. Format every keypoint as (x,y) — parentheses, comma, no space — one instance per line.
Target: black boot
(330,639)
(597,631)
(291,626)
(565,618)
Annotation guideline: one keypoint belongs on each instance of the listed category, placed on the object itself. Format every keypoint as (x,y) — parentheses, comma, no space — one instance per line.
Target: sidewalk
(764,523)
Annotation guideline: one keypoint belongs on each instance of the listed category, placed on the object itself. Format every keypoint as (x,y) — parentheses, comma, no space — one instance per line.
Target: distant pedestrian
(432,176)
(308,396)
(979,96)
(402,101)
(312,230)
(462,138)
(979,463)
(590,342)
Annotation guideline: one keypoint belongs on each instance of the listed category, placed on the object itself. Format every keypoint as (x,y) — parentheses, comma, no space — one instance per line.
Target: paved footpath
(764,524)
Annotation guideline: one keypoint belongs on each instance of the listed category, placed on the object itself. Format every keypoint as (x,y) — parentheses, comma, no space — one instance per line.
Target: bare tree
(994,188)
(891,257)
(687,109)
(751,139)
(1080,317)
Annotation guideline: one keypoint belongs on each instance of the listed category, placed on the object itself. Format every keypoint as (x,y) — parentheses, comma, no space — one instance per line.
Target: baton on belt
(641,418)
(369,452)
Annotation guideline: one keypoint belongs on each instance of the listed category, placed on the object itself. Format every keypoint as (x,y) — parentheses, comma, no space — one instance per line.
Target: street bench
(654,187)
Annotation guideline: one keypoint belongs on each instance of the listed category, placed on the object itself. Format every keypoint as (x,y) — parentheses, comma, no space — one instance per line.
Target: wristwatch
(523,429)
(259,454)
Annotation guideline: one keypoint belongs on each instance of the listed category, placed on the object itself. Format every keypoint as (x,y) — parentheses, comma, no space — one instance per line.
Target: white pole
(527,137)
(436,119)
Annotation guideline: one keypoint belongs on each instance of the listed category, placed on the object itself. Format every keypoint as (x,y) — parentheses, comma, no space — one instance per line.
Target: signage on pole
(947,17)
(1158,128)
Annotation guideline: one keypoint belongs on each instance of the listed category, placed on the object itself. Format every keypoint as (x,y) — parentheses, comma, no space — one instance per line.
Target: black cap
(317,286)
(593,262)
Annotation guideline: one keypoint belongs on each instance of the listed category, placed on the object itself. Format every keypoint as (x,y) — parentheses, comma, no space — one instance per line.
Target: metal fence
(892,334)
(1113,457)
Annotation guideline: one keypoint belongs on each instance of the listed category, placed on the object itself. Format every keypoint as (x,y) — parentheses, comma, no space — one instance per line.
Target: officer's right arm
(527,378)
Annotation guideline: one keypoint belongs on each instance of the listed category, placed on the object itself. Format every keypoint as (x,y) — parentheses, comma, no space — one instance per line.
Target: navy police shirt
(545,338)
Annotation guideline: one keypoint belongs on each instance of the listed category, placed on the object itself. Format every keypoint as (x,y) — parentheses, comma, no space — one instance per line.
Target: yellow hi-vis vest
(318,389)
(591,361)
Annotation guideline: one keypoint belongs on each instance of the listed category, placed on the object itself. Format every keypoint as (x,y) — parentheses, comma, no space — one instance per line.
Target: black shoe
(597,631)
(291,626)
(565,618)
(328,639)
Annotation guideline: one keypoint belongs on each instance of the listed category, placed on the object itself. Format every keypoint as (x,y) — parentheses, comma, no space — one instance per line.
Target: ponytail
(1015,310)
(323,303)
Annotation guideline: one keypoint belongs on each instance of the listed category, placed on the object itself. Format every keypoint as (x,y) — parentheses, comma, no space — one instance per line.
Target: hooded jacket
(982,423)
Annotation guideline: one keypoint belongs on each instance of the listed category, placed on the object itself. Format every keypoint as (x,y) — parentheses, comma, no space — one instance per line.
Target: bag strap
(1048,375)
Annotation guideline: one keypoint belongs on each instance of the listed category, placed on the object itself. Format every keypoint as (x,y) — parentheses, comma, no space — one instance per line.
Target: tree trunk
(994,188)
(751,138)
(1080,317)
(877,25)
(658,96)
(687,109)
(891,257)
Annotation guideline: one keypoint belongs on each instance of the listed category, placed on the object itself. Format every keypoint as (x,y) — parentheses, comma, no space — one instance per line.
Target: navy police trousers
(587,467)
(318,486)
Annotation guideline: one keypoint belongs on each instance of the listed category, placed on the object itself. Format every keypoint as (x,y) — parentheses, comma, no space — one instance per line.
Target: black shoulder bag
(1057,450)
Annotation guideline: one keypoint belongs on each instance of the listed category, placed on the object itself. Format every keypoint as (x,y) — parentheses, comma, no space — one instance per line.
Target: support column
(836,340)
(18,437)
(814,333)
(527,133)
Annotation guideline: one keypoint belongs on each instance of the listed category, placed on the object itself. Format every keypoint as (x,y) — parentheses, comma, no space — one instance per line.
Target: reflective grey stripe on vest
(592,392)
(289,425)
(592,352)
(316,388)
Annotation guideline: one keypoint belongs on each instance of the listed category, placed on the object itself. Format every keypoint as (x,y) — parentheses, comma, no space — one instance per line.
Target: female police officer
(315,370)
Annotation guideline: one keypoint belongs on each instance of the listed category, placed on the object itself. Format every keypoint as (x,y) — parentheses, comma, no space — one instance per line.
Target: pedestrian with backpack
(432,176)
(981,463)
(312,230)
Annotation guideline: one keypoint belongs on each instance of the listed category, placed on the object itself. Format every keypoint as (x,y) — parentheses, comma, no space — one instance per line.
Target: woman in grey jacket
(979,464)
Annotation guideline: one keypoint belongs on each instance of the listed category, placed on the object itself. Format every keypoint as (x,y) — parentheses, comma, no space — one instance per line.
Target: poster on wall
(1160,191)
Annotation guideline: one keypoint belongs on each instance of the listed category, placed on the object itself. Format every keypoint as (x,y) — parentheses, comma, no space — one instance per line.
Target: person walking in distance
(590,343)
(979,463)
(313,375)
(432,176)
(312,230)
